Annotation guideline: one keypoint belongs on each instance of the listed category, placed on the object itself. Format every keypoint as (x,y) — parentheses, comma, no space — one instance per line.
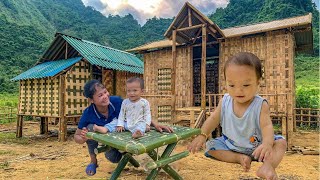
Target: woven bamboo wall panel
(157,101)
(157,66)
(164,79)
(183,86)
(108,80)
(164,114)
(76,78)
(39,97)
(154,61)
(275,50)
(121,79)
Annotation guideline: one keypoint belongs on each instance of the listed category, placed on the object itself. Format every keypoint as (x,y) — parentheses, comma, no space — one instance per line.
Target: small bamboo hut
(183,73)
(53,87)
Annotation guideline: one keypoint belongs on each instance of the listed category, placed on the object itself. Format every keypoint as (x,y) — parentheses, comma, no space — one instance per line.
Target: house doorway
(212,72)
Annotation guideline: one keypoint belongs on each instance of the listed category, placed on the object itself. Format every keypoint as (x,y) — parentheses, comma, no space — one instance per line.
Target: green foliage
(243,12)
(308,97)
(27,29)
(307,70)
(9,100)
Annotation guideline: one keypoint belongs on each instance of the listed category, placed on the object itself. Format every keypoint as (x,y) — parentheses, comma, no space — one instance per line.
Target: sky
(146,9)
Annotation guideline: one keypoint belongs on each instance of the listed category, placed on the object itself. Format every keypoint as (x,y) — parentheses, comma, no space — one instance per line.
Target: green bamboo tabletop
(151,140)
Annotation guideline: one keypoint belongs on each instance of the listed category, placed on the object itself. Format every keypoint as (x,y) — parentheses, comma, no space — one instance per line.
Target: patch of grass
(11,138)
(308,128)
(277,128)
(4,165)
(2,152)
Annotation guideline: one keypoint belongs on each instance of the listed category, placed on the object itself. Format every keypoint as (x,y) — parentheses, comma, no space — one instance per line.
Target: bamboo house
(183,73)
(53,87)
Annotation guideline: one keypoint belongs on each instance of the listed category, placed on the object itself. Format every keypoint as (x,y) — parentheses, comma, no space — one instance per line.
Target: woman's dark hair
(245,58)
(90,88)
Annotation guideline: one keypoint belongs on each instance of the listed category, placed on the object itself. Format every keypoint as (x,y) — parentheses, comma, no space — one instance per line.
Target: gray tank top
(241,134)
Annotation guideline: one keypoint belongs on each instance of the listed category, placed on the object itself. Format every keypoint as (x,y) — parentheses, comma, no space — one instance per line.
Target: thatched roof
(248,30)
(268,26)
(196,18)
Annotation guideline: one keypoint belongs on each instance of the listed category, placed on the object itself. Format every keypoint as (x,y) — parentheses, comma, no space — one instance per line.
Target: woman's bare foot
(245,162)
(266,171)
(137,134)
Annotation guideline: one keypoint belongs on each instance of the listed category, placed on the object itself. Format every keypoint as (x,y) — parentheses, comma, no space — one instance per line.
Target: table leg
(168,169)
(123,162)
(134,162)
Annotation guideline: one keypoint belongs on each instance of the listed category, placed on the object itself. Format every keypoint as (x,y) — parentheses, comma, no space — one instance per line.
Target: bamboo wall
(158,85)
(75,79)
(39,97)
(276,51)
(115,81)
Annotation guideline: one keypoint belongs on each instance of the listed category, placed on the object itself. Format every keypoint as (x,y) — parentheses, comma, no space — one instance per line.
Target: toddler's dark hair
(136,79)
(245,58)
(90,88)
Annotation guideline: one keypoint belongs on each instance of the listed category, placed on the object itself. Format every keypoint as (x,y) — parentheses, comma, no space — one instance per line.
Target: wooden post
(62,136)
(19,126)
(173,75)
(42,128)
(289,131)
(66,53)
(203,67)
(294,120)
(189,17)
(284,126)
(192,119)
(44,125)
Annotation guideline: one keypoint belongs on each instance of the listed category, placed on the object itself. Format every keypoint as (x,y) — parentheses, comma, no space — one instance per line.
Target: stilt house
(184,73)
(53,87)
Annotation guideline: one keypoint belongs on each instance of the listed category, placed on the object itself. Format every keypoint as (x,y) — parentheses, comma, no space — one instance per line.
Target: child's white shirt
(134,112)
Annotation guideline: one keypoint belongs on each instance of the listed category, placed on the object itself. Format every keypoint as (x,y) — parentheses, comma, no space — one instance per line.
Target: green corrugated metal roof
(105,56)
(47,69)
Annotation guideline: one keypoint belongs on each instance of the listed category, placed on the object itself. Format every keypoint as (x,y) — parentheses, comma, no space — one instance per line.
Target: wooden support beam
(289,131)
(186,37)
(44,129)
(66,53)
(62,135)
(284,126)
(192,119)
(19,126)
(189,17)
(210,43)
(191,27)
(173,75)
(200,19)
(203,67)
(197,35)
(182,22)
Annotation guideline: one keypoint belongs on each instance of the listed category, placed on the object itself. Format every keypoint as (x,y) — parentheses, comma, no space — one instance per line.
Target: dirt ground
(38,157)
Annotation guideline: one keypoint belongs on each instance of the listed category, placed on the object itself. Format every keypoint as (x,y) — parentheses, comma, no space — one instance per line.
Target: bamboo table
(146,144)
